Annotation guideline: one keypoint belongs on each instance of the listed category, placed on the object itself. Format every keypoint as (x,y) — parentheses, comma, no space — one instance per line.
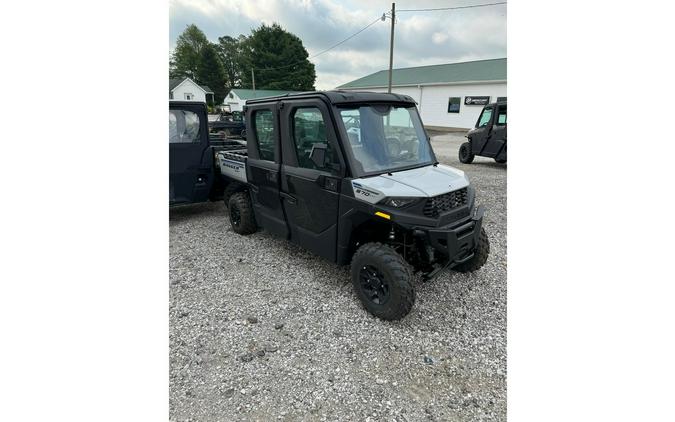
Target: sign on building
(476,100)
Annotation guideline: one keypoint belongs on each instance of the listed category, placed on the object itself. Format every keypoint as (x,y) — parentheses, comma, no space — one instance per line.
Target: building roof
(173,83)
(475,71)
(248,94)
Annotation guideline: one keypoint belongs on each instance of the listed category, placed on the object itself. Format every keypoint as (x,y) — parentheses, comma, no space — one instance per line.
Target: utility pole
(253,79)
(391,43)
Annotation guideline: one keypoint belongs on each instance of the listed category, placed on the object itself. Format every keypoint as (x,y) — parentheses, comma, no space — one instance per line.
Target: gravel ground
(262,330)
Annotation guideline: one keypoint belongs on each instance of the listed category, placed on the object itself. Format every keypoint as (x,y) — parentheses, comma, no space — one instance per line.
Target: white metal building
(448,95)
(188,90)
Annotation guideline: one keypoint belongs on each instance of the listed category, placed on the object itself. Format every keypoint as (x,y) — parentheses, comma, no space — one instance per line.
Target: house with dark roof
(448,95)
(188,90)
(238,96)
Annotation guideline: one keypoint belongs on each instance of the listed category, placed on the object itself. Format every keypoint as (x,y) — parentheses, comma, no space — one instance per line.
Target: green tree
(187,54)
(279,59)
(229,51)
(210,72)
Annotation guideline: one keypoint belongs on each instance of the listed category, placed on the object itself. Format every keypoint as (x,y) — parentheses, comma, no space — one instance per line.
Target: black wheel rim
(374,285)
(235,216)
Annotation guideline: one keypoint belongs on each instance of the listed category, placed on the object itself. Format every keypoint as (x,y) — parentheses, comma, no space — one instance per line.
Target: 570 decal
(365,194)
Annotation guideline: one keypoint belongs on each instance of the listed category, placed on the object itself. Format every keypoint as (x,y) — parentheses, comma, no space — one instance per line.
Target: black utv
(488,138)
(352,177)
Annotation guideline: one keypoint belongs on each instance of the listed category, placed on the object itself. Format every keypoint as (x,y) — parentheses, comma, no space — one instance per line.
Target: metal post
(391,43)
(253,79)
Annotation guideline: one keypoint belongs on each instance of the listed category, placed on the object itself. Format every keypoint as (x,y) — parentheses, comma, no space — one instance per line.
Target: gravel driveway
(262,330)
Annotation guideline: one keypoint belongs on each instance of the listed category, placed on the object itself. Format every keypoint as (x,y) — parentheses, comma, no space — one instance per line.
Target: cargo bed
(232,162)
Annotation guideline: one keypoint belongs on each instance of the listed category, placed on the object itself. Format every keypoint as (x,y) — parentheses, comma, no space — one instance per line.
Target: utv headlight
(398,201)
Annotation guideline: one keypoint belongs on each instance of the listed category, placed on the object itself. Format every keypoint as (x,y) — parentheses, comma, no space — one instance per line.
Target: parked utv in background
(229,124)
(488,138)
(352,177)
(193,174)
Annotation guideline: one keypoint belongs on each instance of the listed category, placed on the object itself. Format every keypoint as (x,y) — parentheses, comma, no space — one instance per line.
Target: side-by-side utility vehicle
(352,177)
(194,174)
(488,138)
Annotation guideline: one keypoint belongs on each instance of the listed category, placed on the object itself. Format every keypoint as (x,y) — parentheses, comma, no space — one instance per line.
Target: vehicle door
(310,191)
(263,165)
(483,126)
(190,170)
(497,135)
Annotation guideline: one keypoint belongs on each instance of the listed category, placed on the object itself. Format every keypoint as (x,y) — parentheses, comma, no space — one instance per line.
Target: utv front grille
(442,203)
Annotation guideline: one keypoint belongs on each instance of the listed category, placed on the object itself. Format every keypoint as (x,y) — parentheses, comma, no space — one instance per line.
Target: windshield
(385,138)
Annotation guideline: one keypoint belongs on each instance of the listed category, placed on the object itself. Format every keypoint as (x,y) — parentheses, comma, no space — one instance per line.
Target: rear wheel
(230,190)
(465,155)
(241,214)
(480,255)
(500,160)
(383,281)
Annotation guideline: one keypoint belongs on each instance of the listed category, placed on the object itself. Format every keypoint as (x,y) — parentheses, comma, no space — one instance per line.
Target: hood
(420,182)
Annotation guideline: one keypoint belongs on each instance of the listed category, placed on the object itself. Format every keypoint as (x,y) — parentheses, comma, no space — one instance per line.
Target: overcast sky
(421,38)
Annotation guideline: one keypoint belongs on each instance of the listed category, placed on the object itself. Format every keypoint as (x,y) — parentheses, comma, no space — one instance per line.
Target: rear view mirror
(318,155)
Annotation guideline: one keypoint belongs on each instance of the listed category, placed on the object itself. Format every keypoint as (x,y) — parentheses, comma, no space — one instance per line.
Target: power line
(326,50)
(452,8)
(388,14)
(348,38)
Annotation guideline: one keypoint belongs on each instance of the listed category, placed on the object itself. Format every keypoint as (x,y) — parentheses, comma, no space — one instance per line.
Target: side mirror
(318,155)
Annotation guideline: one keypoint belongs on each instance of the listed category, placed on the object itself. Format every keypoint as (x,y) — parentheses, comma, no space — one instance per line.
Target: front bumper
(456,244)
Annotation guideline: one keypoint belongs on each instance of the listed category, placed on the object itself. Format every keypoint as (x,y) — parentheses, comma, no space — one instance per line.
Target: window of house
(183,127)
(231,95)
(500,99)
(264,133)
(485,117)
(453,104)
(188,96)
(309,129)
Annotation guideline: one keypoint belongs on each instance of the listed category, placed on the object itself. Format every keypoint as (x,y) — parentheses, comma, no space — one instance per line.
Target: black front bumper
(456,243)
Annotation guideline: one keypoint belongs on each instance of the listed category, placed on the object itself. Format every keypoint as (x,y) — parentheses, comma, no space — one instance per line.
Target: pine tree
(210,72)
(279,59)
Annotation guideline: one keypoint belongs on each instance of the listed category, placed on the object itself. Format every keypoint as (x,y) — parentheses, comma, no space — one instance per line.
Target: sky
(421,38)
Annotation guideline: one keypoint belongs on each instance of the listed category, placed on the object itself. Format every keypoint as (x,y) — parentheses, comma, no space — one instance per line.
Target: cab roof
(340,97)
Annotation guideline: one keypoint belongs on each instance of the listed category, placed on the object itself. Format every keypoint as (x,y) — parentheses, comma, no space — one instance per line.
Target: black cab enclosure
(352,177)
(190,163)
(193,173)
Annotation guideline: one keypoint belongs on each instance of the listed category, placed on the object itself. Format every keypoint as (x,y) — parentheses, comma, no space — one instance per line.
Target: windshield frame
(348,152)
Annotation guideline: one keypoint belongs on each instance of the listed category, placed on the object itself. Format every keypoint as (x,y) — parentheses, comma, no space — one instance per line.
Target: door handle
(289,198)
(328,183)
(272,176)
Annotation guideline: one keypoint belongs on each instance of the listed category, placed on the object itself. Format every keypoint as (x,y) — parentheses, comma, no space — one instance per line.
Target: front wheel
(383,281)
(465,155)
(501,160)
(480,255)
(242,218)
